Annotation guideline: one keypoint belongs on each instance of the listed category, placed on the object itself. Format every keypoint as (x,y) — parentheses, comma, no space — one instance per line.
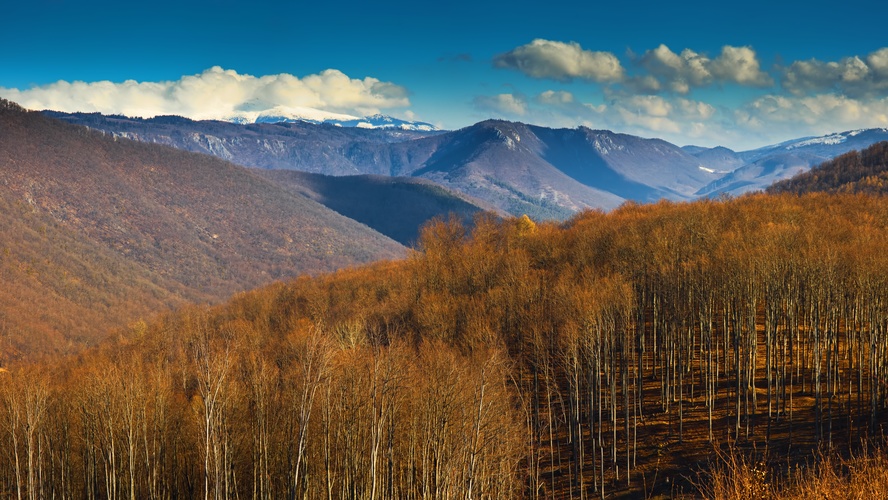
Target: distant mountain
(297,145)
(628,166)
(502,163)
(283,114)
(516,168)
(395,206)
(765,166)
(863,171)
(98,231)
(717,160)
(552,173)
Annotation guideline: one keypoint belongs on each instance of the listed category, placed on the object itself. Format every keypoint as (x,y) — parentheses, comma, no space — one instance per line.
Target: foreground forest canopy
(608,355)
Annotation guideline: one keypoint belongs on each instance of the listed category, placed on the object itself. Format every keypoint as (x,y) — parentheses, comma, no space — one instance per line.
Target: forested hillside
(863,171)
(97,232)
(608,355)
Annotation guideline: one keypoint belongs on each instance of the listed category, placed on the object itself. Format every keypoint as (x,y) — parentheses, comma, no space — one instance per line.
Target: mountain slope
(718,159)
(294,145)
(158,224)
(865,171)
(631,167)
(395,206)
(501,162)
(771,164)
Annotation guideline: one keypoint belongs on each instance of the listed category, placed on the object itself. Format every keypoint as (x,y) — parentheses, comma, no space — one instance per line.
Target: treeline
(513,360)
(863,172)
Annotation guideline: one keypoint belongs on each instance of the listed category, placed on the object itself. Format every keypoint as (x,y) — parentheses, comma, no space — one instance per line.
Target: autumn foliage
(610,354)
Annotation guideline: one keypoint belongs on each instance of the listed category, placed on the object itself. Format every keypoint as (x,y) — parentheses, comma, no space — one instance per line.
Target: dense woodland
(863,171)
(607,355)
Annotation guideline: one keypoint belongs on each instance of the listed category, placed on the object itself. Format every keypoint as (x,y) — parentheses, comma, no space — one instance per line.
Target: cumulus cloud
(817,114)
(555,98)
(502,104)
(850,76)
(561,61)
(680,71)
(689,69)
(878,61)
(740,65)
(661,115)
(216,93)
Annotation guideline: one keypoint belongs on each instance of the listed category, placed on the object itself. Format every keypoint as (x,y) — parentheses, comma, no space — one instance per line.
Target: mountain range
(512,167)
(99,230)
(762,167)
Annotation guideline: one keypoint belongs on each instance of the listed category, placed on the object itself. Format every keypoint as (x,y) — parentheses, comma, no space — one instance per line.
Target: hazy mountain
(298,145)
(628,166)
(97,223)
(516,168)
(719,160)
(864,171)
(765,166)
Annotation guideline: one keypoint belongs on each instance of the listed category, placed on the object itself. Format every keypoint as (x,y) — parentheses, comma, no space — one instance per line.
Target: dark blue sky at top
(64,39)
(440,51)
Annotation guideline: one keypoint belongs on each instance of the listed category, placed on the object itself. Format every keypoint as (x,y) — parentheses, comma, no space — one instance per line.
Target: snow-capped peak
(286,114)
(279,114)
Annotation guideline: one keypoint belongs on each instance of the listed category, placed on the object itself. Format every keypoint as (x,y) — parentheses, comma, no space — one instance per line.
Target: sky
(741,75)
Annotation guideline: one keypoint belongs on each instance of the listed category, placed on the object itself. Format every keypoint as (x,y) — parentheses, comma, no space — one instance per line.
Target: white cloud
(878,61)
(647,105)
(216,93)
(502,104)
(850,76)
(676,119)
(740,65)
(659,115)
(680,71)
(561,61)
(817,114)
(690,69)
(556,98)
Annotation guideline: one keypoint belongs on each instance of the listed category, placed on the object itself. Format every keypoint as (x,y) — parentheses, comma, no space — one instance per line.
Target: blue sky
(741,75)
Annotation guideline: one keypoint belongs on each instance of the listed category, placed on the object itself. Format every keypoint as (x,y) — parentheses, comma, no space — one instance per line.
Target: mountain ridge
(516,168)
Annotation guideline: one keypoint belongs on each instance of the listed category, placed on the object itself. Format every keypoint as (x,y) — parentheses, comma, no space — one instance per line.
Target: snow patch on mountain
(829,140)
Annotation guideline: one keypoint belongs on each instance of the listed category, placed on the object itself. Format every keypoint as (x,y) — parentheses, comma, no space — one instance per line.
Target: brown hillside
(148,225)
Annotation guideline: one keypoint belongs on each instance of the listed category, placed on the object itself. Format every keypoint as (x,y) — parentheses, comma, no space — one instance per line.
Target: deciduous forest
(616,354)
